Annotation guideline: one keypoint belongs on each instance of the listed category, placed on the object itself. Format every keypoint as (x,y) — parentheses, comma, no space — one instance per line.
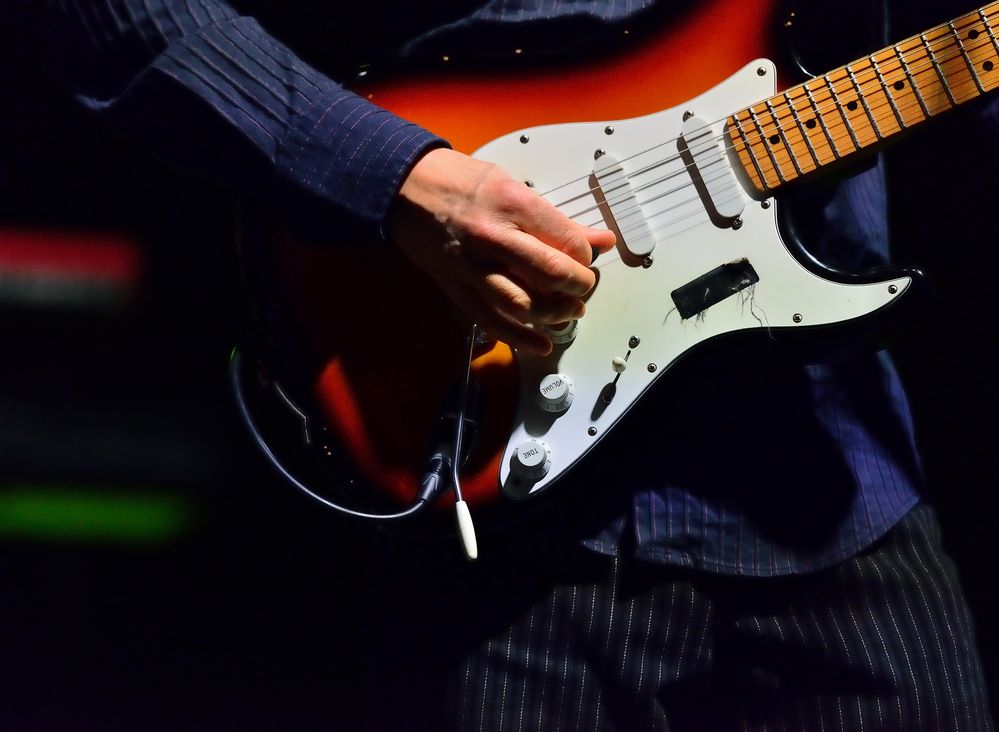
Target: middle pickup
(620,198)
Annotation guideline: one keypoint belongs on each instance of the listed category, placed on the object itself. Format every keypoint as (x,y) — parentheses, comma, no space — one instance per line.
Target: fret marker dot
(899,85)
(810,124)
(973,34)
(774,139)
(852,106)
(988,66)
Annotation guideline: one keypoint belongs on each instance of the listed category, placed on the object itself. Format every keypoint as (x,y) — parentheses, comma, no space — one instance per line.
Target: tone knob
(532,460)
(564,334)
(555,393)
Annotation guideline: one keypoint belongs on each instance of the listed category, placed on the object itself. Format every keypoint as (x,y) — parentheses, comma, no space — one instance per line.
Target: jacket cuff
(352,155)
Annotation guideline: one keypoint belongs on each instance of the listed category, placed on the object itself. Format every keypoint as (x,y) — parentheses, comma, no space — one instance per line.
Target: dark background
(240,615)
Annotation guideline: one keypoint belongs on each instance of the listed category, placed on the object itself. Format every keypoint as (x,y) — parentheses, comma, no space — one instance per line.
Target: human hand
(506,257)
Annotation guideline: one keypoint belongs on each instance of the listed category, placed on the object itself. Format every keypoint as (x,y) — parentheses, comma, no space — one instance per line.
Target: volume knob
(555,393)
(564,334)
(531,460)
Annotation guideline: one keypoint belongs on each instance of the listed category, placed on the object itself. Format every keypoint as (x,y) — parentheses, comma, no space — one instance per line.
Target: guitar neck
(867,102)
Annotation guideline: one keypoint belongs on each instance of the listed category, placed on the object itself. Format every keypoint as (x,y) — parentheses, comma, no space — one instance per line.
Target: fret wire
(863,101)
(888,93)
(967,58)
(749,151)
(875,71)
(902,66)
(890,102)
(905,68)
(923,45)
(940,73)
(912,81)
(822,121)
(801,128)
(766,146)
(988,28)
(783,134)
(689,200)
(961,76)
(839,107)
(880,96)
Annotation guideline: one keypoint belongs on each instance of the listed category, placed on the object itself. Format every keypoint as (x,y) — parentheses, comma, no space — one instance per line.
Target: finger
(502,247)
(498,324)
(554,228)
(545,269)
(600,239)
(511,298)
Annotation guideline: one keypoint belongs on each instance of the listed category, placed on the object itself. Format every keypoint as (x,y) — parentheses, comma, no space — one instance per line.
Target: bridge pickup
(711,288)
(620,198)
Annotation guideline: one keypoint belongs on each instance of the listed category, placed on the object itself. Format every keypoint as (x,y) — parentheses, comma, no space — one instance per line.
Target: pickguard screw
(525,139)
(765,204)
(687,115)
(892,289)
(737,224)
(597,154)
(797,318)
(529,183)
(761,71)
(592,431)
(608,130)
(652,368)
(647,262)
(634,341)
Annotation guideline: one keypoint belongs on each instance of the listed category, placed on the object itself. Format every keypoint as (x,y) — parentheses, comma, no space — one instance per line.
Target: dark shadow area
(945,205)
(198,592)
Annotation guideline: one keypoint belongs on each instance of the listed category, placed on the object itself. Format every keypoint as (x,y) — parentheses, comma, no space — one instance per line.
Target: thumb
(600,239)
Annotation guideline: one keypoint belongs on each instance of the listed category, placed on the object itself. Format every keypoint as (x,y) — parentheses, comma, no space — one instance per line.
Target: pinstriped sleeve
(212,90)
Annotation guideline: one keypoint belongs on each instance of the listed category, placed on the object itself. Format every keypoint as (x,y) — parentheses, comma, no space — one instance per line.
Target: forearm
(211,90)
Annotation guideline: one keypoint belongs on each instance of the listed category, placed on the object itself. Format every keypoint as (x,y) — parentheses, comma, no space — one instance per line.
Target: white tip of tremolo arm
(466,530)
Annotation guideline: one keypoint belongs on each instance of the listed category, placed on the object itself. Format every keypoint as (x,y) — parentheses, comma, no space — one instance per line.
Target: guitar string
(903,67)
(914,70)
(845,130)
(698,212)
(724,172)
(707,180)
(913,105)
(875,118)
(890,111)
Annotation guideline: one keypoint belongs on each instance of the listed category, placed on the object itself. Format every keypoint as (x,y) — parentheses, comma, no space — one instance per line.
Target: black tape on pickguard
(713,287)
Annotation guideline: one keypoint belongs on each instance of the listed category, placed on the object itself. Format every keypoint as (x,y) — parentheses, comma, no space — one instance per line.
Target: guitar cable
(435,481)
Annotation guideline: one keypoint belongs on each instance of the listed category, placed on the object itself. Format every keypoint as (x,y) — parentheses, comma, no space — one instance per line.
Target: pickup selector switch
(532,460)
(555,393)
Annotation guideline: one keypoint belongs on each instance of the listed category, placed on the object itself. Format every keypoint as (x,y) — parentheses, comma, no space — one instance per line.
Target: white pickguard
(634,301)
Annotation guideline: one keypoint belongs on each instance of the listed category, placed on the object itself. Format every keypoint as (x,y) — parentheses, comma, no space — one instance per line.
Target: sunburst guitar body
(676,141)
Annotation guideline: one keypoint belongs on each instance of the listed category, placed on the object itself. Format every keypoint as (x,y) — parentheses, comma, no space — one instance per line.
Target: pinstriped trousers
(882,641)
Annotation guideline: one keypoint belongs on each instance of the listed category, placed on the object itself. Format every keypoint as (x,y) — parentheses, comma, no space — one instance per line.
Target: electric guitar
(683,162)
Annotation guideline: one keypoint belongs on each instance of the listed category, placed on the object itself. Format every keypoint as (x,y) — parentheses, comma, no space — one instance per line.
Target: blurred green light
(86,514)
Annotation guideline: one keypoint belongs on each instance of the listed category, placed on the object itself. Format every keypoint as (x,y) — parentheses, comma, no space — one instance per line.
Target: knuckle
(557,268)
(552,263)
(508,297)
(520,304)
(576,246)
(511,196)
(480,227)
